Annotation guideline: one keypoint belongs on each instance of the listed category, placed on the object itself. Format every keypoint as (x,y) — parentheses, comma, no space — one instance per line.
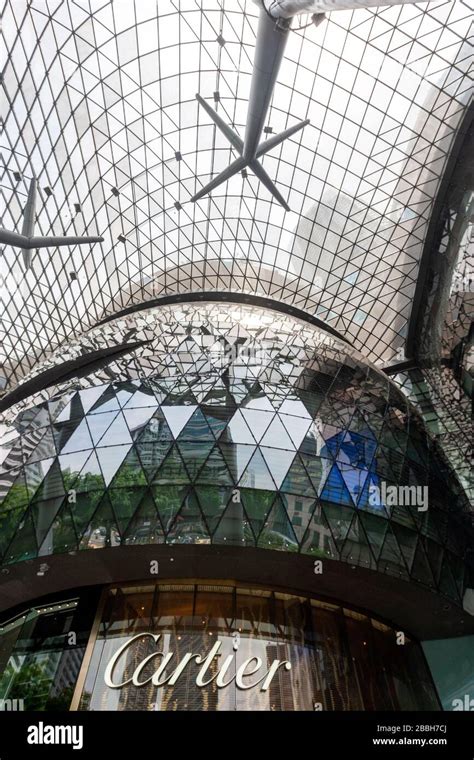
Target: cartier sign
(249,674)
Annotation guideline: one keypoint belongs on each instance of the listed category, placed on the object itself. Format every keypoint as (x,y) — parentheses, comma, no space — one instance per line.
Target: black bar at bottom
(237,735)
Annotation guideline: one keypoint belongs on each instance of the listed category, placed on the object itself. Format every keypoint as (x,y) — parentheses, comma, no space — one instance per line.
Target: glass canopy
(99,104)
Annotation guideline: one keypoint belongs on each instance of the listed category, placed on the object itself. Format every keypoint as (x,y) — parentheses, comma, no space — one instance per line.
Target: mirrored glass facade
(41,652)
(232,426)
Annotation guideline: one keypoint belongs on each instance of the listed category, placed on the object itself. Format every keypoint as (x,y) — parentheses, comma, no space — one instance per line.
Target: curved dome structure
(230,425)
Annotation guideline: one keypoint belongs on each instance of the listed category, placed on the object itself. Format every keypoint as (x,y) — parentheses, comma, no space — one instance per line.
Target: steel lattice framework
(99,104)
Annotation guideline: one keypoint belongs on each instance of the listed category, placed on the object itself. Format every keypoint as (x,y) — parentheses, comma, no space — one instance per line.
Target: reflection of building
(185,695)
(137,697)
(282,695)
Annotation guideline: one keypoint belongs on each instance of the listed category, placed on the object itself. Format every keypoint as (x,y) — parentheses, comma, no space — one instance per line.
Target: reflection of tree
(62,700)
(85,700)
(30,683)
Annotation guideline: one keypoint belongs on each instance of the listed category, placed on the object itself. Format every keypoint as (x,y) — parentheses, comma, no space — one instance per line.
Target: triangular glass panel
(107,402)
(278,461)
(23,545)
(237,457)
(110,460)
(98,424)
(181,395)
(297,427)
(168,500)
(178,416)
(318,540)
(195,454)
(9,522)
(375,529)
(382,465)
(257,422)
(152,454)
(406,541)
(239,390)
(428,525)
(311,399)
(276,435)
(318,470)
(35,474)
(157,429)
(16,493)
(238,431)
(435,554)
(213,500)
(143,397)
(354,478)
(358,424)
(102,530)
(196,429)
(391,559)
(124,392)
(44,514)
(117,433)
(257,505)
(217,419)
(294,407)
(145,526)
(189,526)
(215,470)
(83,508)
(60,408)
(356,450)
(44,449)
(356,549)
(219,396)
(71,466)
(335,489)
(90,477)
(52,484)
(137,419)
(130,473)
(339,519)
(234,527)
(125,502)
(257,399)
(172,469)
(72,437)
(299,509)
(277,531)
(388,439)
(420,569)
(62,536)
(447,584)
(89,396)
(297,480)
(257,474)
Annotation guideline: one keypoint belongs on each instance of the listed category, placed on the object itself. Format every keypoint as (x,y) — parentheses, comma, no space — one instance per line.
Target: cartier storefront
(189,646)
